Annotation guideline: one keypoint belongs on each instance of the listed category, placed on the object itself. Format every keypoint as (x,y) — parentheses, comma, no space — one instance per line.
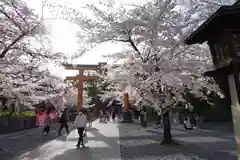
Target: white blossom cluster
(157,65)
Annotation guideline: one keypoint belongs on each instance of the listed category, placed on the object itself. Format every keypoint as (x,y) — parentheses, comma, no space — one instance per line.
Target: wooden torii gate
(81,78)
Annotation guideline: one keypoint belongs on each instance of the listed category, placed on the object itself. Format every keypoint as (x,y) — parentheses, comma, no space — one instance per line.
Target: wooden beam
(83,78)
(81,67)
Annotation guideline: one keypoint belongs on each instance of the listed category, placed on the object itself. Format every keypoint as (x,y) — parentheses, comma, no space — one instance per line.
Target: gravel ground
(139,144)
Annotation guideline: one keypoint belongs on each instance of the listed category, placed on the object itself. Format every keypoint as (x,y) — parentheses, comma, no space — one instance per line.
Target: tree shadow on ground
(179,132)
(109,150)
(88,138)
(138,144)
(28,142)
(205,150)
(76,154)
(41,150)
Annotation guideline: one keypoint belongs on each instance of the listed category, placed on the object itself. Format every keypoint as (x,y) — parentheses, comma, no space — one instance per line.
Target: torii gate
(81,77)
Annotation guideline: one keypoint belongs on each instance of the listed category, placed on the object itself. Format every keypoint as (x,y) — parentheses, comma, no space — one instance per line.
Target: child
(47,120)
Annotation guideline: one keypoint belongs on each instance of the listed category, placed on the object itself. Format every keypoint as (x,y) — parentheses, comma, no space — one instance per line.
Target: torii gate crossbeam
(81,78)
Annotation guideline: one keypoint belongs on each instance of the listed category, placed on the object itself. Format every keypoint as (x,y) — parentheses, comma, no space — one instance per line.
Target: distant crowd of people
(105,115)
(85,117)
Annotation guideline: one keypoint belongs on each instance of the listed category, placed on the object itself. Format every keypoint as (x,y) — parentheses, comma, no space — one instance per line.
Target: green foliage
(214,108)
(91,87)
(95,88)
(17,114)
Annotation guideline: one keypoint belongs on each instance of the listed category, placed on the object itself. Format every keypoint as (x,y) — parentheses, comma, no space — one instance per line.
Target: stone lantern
(222,33)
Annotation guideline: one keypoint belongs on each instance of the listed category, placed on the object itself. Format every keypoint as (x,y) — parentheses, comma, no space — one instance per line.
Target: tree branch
(11,19)
(21,36)
(7,48)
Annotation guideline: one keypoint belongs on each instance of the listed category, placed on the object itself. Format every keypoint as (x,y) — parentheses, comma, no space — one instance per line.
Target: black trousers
(113,115)
(80,133)
(46,129)
(65,125)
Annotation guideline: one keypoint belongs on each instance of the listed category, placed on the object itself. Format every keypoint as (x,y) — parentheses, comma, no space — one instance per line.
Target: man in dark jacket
(63,122)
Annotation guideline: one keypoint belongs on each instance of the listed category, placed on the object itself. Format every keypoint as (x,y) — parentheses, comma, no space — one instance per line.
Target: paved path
(114,141)
(15,144)
(102,143)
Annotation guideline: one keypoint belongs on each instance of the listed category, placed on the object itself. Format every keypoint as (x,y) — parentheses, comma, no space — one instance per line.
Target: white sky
(64,39)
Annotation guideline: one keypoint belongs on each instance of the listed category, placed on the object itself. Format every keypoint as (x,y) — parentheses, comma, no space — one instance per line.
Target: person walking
(80,123)
(187,124)
(107,116)
(63,122)
(90,118)
(158,123)
(114,115)
(144,117)
(102,117)
(47,122)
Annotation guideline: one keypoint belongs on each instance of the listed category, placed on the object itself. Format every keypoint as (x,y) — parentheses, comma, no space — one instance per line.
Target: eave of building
(214,22)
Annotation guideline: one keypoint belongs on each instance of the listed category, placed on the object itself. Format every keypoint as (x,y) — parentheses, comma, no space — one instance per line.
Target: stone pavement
(102,143)
(15,144)
(115,141)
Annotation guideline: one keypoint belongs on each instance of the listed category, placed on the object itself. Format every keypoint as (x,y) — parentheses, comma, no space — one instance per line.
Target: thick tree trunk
(167,136)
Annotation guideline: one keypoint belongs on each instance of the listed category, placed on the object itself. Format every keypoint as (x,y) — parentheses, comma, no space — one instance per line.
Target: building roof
(220,19)
(236,3)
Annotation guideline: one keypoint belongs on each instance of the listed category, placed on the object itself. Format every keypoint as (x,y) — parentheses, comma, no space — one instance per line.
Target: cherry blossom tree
(18,24)
(24,39)
(157,65)
(24,51)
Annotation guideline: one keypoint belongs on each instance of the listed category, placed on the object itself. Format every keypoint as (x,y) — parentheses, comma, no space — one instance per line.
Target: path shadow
(92,129)
(40,150)
(89,130)
(102,147)
(13,147)
(30,144)
(76,154)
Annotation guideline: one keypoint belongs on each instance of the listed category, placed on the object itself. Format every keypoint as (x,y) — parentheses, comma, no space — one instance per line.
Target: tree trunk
(167,136)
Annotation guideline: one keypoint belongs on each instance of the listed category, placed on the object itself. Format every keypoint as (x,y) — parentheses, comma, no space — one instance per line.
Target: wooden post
(127,117)
(80,92)
(126,102)
(235,110)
